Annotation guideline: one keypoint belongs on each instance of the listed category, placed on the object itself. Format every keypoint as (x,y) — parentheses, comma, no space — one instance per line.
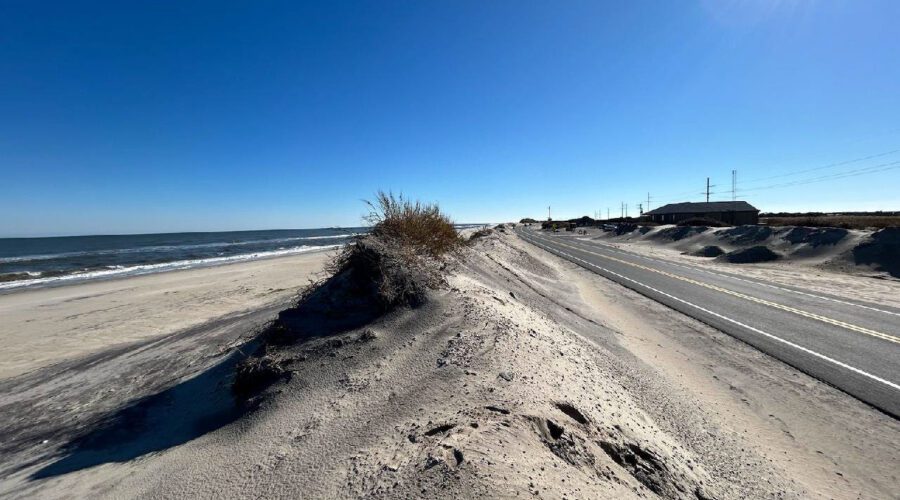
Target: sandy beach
(48,325)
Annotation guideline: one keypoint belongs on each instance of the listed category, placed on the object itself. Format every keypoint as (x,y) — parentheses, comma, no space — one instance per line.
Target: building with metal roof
(736,213)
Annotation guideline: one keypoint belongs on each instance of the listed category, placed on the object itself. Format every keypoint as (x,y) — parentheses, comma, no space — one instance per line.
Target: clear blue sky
(145,116)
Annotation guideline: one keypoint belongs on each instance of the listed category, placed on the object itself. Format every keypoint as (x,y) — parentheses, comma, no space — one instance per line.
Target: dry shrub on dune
(412,224)
(401,257)
(387,273)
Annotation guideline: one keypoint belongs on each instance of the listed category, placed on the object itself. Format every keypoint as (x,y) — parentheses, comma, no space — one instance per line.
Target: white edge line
(776,287)
(738,323)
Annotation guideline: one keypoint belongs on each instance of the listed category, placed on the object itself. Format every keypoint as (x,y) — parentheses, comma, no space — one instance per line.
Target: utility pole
(548,213)
(626,210)
(733,185)
(641,208)
(648,202)
(607,213)
(707,189)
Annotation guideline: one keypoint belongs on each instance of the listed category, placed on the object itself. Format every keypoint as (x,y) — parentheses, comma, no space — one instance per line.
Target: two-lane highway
(848,343)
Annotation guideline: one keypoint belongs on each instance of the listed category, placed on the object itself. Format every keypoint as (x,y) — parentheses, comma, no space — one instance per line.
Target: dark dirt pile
(679,232)
(708,251)
(815,236)
(625,229)
(742,235)
(882,251)
(750,255)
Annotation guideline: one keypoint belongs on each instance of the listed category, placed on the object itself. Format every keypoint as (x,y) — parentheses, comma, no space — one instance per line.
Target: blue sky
(124,117)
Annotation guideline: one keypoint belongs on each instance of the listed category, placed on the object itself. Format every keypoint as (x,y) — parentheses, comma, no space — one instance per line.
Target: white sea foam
(164,248)
(120,271)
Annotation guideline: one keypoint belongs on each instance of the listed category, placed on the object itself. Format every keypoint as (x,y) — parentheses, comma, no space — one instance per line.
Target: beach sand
(49,325)
(524,376)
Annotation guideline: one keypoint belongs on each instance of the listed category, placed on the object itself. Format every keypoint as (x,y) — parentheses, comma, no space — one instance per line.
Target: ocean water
(32,262)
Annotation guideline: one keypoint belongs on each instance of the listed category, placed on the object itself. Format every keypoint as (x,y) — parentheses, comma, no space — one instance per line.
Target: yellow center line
(776,305)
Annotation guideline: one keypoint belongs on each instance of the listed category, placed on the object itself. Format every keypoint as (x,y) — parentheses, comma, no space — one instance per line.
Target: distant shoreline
(39,262)
(71,280)
(28,263)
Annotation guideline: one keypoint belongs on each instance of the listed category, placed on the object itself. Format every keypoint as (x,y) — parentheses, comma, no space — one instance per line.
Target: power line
(835,175)
(840,175)
(830,165)
(678,196)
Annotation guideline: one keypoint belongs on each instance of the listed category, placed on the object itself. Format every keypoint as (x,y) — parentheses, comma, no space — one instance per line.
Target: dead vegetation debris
(255,374)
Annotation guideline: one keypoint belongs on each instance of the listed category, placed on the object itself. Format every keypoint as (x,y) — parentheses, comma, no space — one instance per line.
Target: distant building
(736,213)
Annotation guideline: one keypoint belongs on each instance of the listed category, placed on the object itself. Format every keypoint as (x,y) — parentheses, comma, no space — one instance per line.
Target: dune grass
(412,224)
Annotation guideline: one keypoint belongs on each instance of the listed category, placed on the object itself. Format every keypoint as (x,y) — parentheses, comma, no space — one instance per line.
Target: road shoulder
(871,288)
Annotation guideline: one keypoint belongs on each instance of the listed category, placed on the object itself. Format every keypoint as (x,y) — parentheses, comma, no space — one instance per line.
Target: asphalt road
(850,344)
